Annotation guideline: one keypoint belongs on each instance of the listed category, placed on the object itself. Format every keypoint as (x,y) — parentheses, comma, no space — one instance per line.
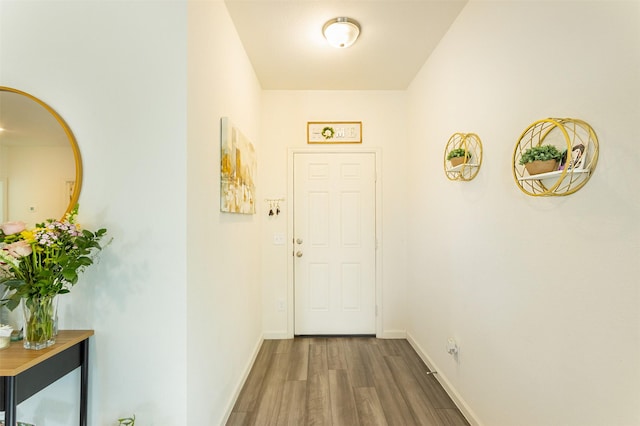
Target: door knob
(299,241)
(299,254)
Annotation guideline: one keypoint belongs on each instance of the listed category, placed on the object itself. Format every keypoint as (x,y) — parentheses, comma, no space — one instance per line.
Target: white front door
(334,243)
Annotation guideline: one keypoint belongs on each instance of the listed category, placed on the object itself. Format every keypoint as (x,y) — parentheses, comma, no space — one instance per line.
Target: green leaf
(540,153)
(458,152)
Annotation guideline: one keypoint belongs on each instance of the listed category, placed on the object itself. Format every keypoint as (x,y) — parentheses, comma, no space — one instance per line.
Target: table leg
(10,401)
(84,381)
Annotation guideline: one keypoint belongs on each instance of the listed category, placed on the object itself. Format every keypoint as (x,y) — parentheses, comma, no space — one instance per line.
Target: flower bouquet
(38,264)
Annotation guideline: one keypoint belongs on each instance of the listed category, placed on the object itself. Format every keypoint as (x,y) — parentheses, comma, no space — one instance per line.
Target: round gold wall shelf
(459,168)
(572,137)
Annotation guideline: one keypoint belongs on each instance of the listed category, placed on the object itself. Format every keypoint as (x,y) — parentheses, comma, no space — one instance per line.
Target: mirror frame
(72,141)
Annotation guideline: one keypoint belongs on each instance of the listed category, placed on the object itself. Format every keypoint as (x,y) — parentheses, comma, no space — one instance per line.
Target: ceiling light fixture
(341,32)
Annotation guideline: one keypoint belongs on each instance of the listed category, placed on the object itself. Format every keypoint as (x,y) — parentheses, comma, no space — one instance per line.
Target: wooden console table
(24,371)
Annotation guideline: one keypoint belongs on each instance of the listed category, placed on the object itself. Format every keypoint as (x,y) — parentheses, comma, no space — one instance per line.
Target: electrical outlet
(281,306)
(452,347)
(278,239)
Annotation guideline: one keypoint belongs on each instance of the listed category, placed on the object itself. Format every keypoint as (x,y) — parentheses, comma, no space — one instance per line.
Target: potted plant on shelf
(541,159)
(458,156)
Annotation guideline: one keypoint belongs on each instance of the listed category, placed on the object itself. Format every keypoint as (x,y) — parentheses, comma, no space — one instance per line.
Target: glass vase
(40,321)
(9,317)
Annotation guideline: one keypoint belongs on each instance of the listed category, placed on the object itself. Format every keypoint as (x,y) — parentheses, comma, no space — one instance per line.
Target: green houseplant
(540,159)
(127,421)
(458,156)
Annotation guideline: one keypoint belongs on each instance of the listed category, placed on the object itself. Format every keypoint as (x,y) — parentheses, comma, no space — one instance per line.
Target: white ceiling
(284,41)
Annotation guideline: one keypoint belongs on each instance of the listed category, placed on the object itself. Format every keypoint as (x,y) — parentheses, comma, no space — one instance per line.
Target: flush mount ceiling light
(341,32)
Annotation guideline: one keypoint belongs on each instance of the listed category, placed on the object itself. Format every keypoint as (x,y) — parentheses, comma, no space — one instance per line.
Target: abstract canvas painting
(237,170)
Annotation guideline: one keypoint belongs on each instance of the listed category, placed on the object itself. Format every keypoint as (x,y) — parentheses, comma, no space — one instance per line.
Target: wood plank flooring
(342,381)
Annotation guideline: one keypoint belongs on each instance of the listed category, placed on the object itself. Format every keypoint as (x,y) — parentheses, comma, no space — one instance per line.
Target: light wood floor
(342,381)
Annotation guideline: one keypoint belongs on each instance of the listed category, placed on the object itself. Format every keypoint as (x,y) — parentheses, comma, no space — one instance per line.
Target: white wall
(284,119)
(223,256)
(167,350)
(116,72)
(540,293)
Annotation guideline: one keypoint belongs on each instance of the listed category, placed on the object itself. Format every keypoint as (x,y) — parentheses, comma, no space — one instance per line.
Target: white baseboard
(276,335)
(446,384)
(243,379)
(393,334)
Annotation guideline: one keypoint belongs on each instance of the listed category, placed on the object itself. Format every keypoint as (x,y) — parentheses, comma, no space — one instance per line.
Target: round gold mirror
(40,164)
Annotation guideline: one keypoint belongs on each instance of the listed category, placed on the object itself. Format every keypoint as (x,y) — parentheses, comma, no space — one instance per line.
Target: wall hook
(274,206)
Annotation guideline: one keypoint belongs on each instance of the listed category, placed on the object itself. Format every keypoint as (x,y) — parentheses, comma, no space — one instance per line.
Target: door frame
(290,231)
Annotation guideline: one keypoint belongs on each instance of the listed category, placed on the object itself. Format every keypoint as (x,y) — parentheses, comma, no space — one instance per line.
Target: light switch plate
(279,239)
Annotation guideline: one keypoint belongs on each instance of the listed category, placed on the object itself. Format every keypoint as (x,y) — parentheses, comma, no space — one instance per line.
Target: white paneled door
(334,243)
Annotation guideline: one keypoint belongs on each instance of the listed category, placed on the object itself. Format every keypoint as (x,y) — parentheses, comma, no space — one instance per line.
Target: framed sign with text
(334,132)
